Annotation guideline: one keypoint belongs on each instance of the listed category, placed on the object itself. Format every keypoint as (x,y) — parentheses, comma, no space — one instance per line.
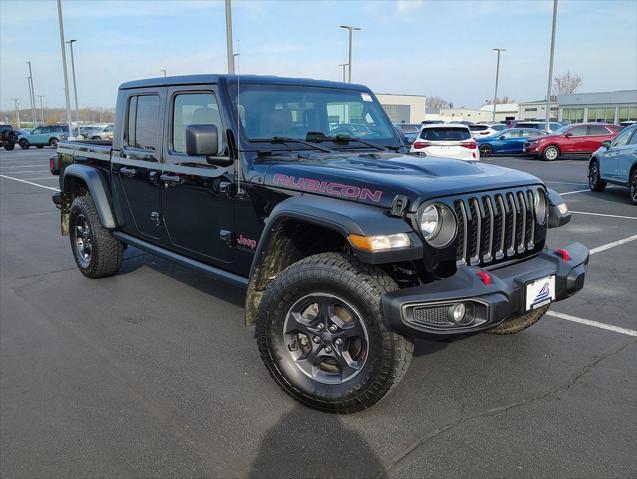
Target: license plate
(540,292)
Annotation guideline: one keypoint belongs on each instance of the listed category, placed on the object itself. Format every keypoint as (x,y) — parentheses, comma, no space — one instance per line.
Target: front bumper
(531,149)
(492,304)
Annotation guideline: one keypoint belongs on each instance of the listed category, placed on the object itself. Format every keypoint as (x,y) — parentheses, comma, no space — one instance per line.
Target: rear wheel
(486,150)
(595,181)
(633,187)
(24,144)
(520,322)
(322,336)
(551,153)
(97,254)
(53,142)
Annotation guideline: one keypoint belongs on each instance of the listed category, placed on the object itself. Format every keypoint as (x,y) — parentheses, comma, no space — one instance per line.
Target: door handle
(130,172)
(171,179)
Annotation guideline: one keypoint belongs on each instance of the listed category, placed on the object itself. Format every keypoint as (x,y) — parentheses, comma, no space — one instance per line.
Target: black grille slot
(432,315)
(492,226)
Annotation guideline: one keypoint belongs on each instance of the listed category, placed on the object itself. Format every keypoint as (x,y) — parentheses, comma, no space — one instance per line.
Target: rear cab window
(142,124)
(445,134)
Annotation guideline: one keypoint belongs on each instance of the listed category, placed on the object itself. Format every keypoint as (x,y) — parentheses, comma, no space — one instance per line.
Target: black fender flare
(556,217)
(97,186)
(343,217)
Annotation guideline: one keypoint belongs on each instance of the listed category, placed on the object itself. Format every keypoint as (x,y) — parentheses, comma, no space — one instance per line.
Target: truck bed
(95,149)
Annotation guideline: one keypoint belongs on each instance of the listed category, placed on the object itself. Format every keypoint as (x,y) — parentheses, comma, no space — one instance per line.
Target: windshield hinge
(399,205)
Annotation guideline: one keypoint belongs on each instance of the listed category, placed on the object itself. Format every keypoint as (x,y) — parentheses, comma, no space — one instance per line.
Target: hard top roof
(258,79)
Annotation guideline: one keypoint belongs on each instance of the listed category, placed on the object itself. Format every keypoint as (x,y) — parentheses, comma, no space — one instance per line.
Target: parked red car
(576,139)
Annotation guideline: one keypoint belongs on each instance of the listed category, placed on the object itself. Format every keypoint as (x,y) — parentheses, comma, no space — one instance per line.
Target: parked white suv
(483,129)
(450,140)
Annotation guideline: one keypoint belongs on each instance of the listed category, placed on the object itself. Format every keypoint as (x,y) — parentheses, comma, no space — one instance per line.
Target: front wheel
(97,254)
(322,336)
(595,182)
(551,153)
(9,146)
(633,187)
(521,322)
(53,142)
(24,144)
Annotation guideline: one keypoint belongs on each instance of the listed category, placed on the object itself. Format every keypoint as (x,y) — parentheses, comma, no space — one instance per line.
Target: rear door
(136,169)
(39,136)
(625,148)
(197,204)
(596,134)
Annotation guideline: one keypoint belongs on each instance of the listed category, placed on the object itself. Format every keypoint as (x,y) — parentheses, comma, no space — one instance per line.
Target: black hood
(376,178)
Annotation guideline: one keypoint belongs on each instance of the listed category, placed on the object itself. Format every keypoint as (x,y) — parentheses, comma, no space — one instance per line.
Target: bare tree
(500,101)
(436,102)
(566,84)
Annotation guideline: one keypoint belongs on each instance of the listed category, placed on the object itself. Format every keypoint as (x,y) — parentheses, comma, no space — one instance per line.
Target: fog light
(458,312)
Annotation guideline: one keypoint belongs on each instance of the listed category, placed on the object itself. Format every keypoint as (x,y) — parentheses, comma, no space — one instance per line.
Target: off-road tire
(547,154)
(389,353)
(595,182)
(9,146)
(53,143)
(24,144)
(107,252)
(521,322)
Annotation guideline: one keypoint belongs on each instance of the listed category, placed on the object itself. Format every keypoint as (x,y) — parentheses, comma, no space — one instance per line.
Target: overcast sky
(416,47)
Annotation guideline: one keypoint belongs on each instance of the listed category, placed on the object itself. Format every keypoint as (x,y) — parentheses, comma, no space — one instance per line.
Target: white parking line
(602,214)
(573,192)
(43,178)
(28,171)
(21,166)
(566,182)
(595,324)
(29,183)
(604,247)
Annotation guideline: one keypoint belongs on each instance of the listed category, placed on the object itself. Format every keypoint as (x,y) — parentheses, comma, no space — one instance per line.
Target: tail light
(54,164)
(421,144)
(470,144)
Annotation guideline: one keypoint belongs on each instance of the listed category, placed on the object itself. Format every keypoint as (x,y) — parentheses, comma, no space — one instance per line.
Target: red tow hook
(485,277)
(563,254)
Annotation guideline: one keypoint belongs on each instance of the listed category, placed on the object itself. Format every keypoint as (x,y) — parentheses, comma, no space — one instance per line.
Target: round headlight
(429,221)
(539,205)
(437,224)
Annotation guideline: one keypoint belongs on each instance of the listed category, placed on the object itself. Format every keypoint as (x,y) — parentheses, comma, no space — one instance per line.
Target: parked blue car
(506,141)
(616,162)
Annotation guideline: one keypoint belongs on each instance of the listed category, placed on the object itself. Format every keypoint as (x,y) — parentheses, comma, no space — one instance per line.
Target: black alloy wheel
(595,182)
(326,338)
(486,150)
(633,187)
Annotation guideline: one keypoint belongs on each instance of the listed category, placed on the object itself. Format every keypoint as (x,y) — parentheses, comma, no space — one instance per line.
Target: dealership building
(609,107)
(403,108)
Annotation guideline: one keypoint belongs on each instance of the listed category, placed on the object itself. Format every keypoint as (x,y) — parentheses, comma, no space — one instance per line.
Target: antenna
(238,138)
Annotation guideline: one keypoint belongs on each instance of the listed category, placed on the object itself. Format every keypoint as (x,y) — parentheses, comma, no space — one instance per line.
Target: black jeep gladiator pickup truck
(301,192)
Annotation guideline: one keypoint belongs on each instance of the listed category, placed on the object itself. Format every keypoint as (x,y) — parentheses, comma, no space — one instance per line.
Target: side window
(597,130)
(142,125)
(578,131)
(193,109)
(147,122)
(633,140)
(36,131)
(622,138)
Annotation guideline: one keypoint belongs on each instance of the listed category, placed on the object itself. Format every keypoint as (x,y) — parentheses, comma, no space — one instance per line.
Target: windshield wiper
(285,139)
(347,138)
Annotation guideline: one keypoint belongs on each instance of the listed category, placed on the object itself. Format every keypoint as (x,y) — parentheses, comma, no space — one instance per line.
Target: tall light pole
(548,87)
(77,108)
(497,77)
(343,65)
(16,107)
(31,94)
(41,108)
(164,72)
(66,77)
(229,36)
(350,28)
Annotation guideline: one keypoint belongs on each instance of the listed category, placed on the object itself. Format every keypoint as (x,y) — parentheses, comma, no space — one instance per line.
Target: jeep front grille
(492,226)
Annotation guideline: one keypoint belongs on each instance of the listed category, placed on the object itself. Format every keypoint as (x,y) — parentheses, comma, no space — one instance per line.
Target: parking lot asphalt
(151,373)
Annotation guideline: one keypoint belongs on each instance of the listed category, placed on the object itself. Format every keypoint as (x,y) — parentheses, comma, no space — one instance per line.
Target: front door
(576,141)
(197,203)
(136,168)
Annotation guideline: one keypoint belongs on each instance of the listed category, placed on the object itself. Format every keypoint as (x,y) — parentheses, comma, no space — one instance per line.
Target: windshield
(289,111)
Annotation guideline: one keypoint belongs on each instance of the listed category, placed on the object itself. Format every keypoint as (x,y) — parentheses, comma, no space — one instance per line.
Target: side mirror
(502,137)
(606,144)
(203,140)
(568,134)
